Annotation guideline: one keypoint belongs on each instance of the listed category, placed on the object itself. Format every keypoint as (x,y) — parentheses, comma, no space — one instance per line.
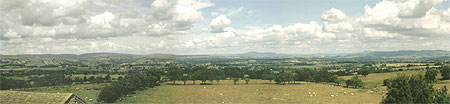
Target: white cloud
(386,26)
(333,15)
(408,17)
(219,23)
(372,33)
(103,19)
(75,19)
(415,8)
(12,34)
(234,11)
(67,26)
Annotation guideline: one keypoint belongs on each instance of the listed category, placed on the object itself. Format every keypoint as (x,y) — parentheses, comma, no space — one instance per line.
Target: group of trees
(129,84)
(53,79)
(234,73)
(204,74)
(10,83)
(445,72)
(417,88)
(355,82)
(50,78)
(308,75)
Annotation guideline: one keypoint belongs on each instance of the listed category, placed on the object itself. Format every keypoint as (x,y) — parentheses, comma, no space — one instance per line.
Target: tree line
(236,74)
(130,83)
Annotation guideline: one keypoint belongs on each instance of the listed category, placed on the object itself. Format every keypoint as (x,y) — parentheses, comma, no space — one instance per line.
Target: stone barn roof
(18,97)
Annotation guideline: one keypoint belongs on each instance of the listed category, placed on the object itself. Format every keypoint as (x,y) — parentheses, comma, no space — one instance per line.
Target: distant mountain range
(365,55)
(263,54)
(401,54)
(362,55)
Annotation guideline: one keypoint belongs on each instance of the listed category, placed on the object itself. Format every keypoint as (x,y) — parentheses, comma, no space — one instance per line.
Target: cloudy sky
(222,26)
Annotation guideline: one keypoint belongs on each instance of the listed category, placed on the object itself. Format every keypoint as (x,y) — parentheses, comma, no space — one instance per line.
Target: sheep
(309,93)
(332,95)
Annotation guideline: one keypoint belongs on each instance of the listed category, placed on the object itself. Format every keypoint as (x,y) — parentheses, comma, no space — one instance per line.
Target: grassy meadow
(257,91)
(261,91)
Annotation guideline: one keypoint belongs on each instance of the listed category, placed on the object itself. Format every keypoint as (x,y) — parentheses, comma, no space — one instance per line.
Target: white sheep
(332,95)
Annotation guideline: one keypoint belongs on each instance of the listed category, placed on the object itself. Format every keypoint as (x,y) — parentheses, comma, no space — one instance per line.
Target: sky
(190,27)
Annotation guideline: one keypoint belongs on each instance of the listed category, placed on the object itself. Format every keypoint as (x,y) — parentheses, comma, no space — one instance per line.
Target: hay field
(258,91)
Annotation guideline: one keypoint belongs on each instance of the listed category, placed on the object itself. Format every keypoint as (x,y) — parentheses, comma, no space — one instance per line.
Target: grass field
(258,91)
(376,79)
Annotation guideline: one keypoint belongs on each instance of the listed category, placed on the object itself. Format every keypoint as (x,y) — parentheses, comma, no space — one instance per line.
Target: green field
(374,81)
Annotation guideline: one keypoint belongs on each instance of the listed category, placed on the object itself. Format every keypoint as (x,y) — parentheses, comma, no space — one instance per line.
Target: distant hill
(86,55)
(435,54)
(263,55)
(400,54)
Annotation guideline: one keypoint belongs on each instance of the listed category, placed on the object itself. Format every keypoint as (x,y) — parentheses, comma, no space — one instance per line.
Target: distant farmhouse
(17,97)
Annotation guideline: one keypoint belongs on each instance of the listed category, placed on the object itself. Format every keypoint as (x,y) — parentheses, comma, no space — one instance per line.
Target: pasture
(257,91)
(376,79)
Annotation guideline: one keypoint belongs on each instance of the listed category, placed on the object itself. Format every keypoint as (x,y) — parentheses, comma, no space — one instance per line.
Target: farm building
(17,97)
